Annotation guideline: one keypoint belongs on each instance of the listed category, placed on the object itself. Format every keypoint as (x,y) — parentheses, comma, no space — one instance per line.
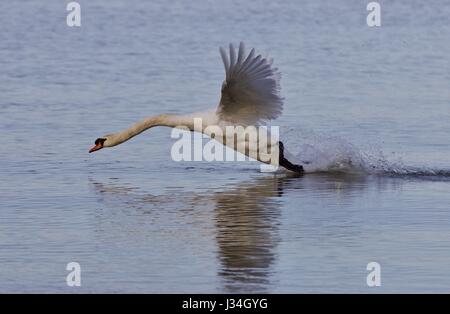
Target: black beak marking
(100,141)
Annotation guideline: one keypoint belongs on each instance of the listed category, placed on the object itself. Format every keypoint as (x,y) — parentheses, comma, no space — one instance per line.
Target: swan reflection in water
(245,218)
(247,225)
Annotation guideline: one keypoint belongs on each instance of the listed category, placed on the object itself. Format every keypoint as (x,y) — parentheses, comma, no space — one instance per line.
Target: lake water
(137,221)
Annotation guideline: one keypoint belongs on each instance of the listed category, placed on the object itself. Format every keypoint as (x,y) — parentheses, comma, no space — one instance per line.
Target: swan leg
(286,163)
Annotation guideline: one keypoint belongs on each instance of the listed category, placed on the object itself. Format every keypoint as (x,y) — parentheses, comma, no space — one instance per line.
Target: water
(137,221)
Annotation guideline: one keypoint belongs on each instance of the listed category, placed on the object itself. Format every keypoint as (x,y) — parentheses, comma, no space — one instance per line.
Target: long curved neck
(169,120)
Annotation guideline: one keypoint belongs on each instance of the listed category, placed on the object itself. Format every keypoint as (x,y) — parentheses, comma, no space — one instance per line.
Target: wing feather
(225,61)
(232,58)
(251,91)
(241,53)
(248,61)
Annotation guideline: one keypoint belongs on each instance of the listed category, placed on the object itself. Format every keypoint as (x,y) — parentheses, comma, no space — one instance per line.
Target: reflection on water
(245,218)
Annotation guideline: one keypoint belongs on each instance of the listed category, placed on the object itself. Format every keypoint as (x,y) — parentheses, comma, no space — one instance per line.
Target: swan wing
(251,90)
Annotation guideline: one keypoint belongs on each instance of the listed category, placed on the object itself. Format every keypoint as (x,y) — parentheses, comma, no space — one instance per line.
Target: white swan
(250,96)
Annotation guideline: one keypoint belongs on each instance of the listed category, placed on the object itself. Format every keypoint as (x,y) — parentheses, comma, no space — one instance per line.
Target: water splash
(323,153)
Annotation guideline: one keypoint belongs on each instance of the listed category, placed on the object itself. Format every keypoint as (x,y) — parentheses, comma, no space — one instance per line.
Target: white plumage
(250,97)
(251,90)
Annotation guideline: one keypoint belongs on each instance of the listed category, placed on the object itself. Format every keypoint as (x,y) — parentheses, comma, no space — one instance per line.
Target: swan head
(101,142)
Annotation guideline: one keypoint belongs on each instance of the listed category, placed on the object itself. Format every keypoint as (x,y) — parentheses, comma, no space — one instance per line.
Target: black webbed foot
(286,163)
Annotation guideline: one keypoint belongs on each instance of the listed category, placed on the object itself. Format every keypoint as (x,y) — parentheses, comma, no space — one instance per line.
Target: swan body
(250,96)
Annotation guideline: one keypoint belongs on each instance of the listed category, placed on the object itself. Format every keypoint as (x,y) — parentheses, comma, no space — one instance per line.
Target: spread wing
(251,90)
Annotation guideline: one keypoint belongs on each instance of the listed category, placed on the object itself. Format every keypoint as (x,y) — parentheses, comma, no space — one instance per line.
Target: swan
(250,96)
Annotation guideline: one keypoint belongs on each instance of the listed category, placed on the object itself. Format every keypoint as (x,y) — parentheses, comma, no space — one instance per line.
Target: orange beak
(96,147)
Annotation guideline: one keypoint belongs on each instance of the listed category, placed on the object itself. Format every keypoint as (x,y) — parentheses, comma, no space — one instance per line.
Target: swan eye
(100,140)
